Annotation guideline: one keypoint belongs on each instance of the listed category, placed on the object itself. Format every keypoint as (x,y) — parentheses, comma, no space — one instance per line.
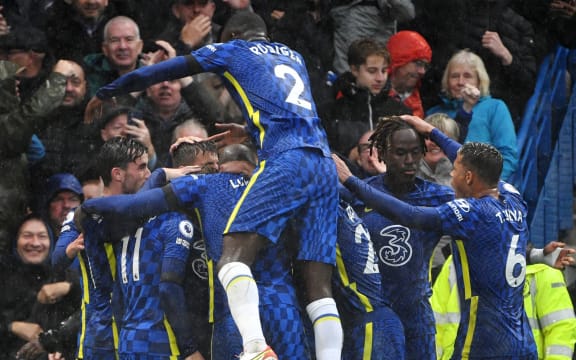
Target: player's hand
(343,172)
(559,255)
(185,170)
(195,356)
(186,139)
(420,125)
(194,31)
(233,134)
(491,41)
(75,247)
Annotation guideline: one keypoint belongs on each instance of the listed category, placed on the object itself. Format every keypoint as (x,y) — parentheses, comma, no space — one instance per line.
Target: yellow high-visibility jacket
(546,302)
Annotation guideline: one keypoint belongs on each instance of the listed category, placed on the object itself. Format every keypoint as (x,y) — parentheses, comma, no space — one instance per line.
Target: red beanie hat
(407,46)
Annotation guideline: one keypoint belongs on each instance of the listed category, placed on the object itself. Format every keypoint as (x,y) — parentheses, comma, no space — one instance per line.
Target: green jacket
(546,302)
(18,122)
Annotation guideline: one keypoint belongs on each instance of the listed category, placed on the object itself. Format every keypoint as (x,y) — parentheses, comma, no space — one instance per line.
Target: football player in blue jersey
(145,291)
(152,273)
(213,197)
(403,253)
(371,329)
(123,168)
(488,222)
(295,181)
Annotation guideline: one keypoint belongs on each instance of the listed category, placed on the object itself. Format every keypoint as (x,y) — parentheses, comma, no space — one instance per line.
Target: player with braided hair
(382,137)
(487,221)
(403,252)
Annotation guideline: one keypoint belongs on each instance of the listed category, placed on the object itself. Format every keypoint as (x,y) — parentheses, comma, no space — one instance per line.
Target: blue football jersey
(489,257)
(213,198)
(371,329)
(270,83)
(404,254)
(98,268)
(161,245)
(356,281)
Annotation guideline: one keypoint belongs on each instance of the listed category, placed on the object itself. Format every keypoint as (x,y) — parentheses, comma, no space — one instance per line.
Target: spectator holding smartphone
(123,121)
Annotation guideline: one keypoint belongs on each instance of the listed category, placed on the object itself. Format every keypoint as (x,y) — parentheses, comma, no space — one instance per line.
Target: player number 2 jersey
(279,109)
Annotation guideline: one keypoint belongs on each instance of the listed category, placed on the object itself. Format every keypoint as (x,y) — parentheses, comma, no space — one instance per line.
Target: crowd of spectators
(472,61)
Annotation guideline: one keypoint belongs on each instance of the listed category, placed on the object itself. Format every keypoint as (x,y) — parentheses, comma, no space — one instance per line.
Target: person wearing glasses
(411,56)
(367,159)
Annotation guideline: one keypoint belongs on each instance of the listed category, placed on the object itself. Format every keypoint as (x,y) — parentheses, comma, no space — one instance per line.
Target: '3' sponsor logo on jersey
(397,249)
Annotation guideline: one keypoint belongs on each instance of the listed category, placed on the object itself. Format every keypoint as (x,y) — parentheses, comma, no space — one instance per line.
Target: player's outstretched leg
(238,253)
(328,334)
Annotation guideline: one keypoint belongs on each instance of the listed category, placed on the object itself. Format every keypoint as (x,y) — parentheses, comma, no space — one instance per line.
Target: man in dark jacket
(75,29)
(69,143)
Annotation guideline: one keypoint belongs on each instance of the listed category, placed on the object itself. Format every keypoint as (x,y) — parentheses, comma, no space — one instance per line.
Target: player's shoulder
(510,193)
(69,225)
(186,183)
(376,181)
(231,180)
(169,221)
(229,46)
(508,189)
(441,189)
(347,213)
(437,192)
(173,222)
(168,216)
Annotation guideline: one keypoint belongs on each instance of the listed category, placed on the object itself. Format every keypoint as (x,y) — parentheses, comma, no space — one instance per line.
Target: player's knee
(240,247)
(318,280)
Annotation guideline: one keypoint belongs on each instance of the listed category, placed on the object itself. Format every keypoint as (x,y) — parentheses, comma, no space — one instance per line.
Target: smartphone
(130,118)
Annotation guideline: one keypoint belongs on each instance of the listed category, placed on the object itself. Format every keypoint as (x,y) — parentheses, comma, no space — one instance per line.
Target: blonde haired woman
(466,98)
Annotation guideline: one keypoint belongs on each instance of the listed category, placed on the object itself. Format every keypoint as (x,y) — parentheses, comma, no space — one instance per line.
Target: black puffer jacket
(18,301)
(356,111)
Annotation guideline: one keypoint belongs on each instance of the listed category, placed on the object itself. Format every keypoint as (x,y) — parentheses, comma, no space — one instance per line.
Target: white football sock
(236,277)
(328,335)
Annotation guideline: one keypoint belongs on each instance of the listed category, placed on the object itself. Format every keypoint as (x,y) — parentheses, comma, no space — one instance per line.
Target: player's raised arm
(142,78)
(449,146)
(134,206)
(414,216)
